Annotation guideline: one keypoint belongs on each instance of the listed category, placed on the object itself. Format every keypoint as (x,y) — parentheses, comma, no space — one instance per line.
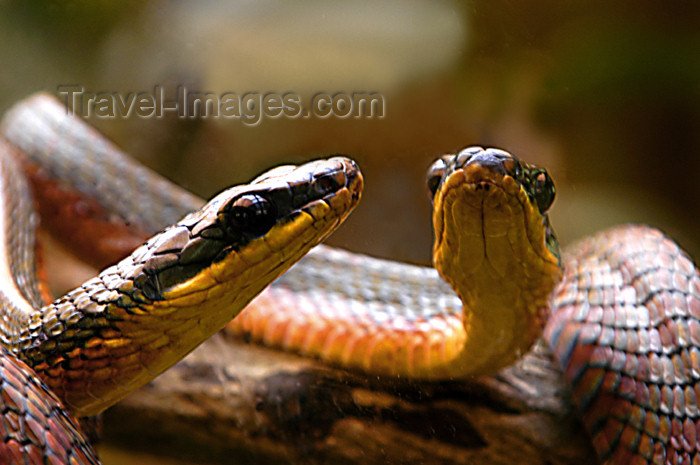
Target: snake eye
(434,176)
(252,215)
(544,191)
(513,167)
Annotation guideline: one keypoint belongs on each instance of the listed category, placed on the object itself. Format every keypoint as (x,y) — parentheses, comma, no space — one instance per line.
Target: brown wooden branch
(231,402)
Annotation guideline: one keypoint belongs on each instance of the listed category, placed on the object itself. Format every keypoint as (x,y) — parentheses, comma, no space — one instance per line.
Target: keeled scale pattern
(626,328)
(34,426)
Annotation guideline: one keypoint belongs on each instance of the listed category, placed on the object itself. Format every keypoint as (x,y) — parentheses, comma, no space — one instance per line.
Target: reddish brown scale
(77,220)
(625,327)
(33,422)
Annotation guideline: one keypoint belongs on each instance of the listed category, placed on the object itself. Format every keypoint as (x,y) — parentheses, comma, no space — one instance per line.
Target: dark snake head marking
(240,215)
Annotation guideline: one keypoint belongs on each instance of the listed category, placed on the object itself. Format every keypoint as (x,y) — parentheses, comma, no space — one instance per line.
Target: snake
(139,316)
(620,310)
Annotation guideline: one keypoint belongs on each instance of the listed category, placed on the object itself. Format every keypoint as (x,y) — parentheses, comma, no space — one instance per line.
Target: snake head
(534,181)
(274,219)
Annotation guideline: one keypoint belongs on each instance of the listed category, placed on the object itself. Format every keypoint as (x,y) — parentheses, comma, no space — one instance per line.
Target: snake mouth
(485,222)
(489,193)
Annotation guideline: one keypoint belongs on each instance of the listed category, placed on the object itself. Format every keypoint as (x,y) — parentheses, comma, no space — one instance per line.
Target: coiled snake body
(621,315)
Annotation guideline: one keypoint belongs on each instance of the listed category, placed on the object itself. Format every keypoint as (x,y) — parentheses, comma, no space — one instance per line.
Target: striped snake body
(622,315)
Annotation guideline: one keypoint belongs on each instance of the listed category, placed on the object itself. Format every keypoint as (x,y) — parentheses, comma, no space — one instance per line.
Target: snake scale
(620,310)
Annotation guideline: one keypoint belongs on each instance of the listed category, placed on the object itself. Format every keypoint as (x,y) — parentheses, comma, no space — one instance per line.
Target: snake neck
(490,247)
(106,338)
(501,320)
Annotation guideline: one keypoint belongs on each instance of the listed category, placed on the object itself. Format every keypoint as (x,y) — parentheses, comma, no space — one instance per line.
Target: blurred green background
(604,94)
